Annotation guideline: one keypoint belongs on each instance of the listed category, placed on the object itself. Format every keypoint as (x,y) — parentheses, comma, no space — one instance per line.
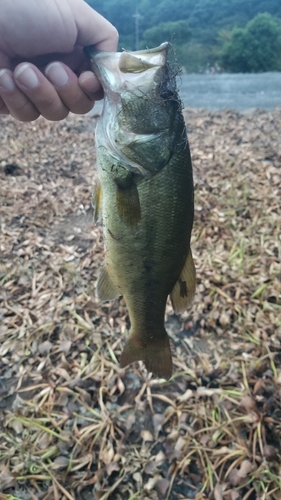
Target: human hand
(43,70)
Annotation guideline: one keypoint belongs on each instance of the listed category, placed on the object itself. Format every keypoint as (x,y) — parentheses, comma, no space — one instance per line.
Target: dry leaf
(234,477)
(60,463)
(218,492)
(245,468)
(162,486)
(65,346)
(269,452)
(112,467)
(150,467)
(187,395)
(146,436)
(138,478)
(45,347)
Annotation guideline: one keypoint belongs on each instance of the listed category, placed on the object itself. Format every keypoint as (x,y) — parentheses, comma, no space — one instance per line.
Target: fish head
(141,120)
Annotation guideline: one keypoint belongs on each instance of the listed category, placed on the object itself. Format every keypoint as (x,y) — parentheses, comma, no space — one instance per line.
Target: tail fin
(155,353)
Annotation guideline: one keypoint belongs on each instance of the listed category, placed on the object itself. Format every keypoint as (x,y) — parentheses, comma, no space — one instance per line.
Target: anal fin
(184,289)
(106,289)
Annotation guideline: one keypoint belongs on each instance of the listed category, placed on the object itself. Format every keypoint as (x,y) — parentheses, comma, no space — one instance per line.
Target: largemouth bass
(145,198)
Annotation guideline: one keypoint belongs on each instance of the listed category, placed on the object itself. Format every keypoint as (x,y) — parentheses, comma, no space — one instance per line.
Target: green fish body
(145,198)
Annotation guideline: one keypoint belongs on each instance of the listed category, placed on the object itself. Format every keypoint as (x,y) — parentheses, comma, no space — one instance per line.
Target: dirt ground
(73,424)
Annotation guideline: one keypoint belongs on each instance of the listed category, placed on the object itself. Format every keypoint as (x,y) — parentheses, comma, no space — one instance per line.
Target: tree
(121,14)
(178,32)
(255,48)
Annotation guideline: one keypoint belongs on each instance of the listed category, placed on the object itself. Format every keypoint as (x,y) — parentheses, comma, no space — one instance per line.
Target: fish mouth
(132,61)
(139,68)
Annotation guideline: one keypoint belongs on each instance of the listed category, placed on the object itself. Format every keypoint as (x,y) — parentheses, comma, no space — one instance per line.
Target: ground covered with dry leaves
(73,424)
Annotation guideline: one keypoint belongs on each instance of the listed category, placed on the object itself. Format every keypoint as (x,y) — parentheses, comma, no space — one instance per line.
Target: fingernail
(57,74)
(27,77)
(89,82)
(6,81)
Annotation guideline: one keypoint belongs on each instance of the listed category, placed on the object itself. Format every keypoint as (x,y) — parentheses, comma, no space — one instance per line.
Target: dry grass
(73,424)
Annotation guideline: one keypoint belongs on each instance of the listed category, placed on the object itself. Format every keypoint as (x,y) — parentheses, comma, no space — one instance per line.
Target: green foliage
(204,32)
(255,48)
(121,14)
(177,32)
(193,56)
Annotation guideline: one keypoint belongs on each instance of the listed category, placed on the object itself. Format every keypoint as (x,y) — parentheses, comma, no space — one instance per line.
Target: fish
(145,198)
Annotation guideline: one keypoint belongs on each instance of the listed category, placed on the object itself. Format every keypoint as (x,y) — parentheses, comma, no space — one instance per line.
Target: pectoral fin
(106,289)
(97,198)
(128,203)
(184,289)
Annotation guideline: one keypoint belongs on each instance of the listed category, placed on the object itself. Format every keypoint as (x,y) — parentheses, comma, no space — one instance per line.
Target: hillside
(209,24)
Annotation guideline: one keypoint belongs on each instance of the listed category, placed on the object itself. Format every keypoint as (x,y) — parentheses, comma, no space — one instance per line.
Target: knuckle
(28,118)
(50,106)
(24,111)
(114,33)
(56,115)
(3,108)
(28,115)
(76,101)
(81,107)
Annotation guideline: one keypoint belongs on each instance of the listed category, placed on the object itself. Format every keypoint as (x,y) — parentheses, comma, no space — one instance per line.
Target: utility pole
(137,17)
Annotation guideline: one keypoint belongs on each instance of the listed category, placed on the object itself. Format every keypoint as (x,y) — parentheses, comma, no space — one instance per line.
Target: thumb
(93,29)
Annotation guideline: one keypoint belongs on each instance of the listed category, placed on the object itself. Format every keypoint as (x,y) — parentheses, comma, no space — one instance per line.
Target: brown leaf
(65,346)
(158,419)
(269,452)
(162,486)
(60,463)
(245,468)
(150,467)
(218,492)
(45,347)
(146,436)
(112,467)
(248,403)
(234,495)
(234,477)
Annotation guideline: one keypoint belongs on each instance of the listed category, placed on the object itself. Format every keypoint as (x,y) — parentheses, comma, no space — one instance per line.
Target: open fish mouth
(135,70)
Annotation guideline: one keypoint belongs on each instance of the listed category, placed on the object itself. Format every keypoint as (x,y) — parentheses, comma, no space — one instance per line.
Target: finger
(40,92)
(90,85)
(3,108)
(5,61)
(73,59)
(68,88)
(15,102)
